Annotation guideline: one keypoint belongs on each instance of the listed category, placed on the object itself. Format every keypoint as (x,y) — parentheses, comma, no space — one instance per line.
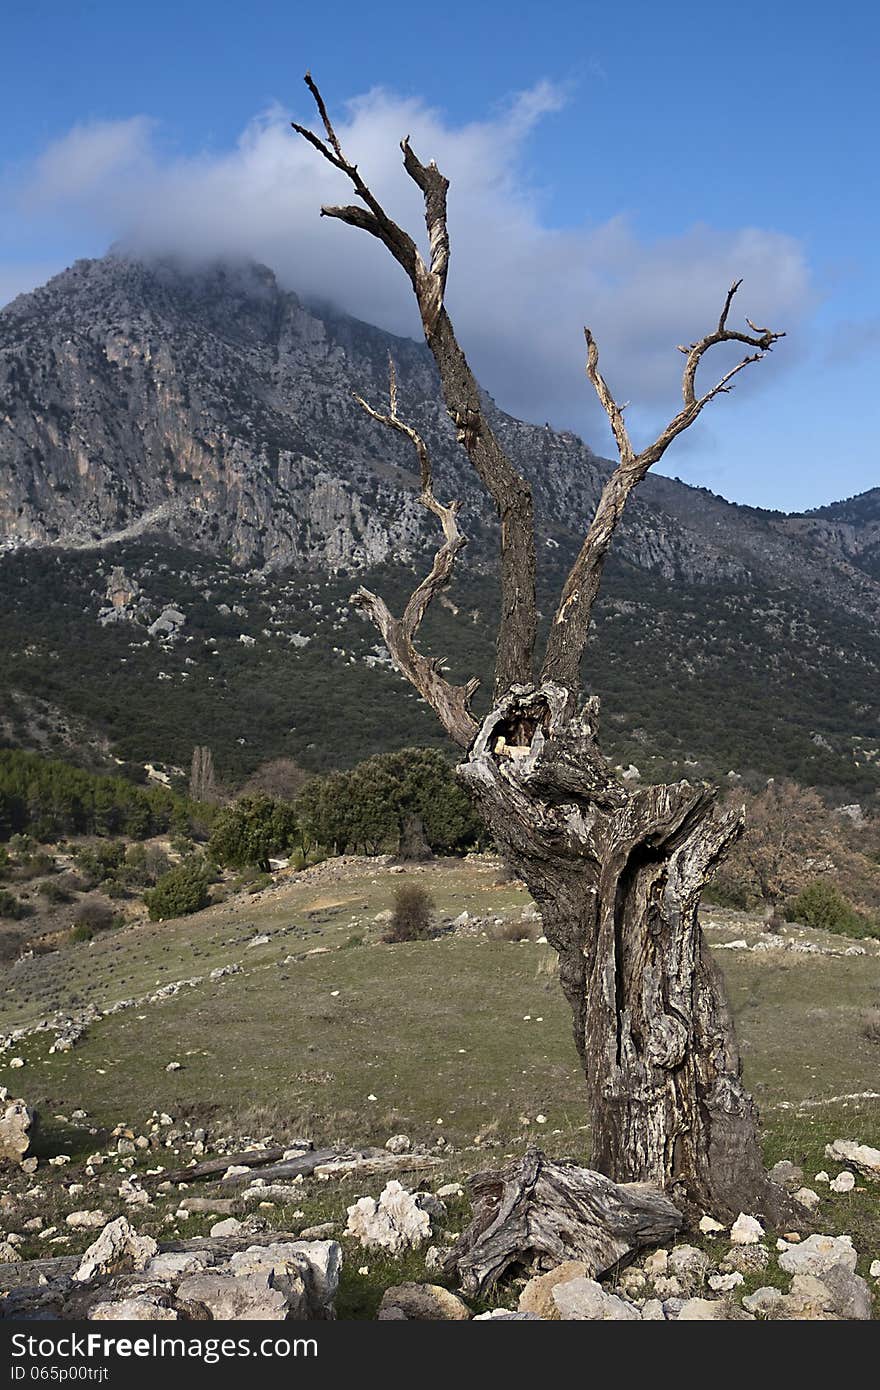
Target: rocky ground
(372,1080)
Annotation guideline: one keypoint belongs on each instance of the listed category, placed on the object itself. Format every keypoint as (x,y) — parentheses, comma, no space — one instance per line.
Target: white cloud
(519,290)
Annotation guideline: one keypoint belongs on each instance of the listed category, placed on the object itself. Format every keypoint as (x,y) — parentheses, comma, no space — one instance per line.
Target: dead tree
(617,872)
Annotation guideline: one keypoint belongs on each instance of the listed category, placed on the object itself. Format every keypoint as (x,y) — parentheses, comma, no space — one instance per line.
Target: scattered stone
(817,1254)
(173,1066)
(860,1156)
(745,1259)
(725,1283)
(230,1227)
(395,1222)
(173,1264)
(807,1198)
(321,1232)
(422,1303)
(711,1310)
(874,1271)
(710,1227)
(786,1174)
(746,1230)
(537,1298)
(655,1264)
(398,1144)
(844,1182)
(141,1308)
(584,1300)
(821,1177)
(117,1250)
(246,1297)
(689,1266)
(17,1123)
(763,1302)
(450,1189)
(85,1220)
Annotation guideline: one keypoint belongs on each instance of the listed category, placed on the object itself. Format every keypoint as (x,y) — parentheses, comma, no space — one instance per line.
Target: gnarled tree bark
(617,872)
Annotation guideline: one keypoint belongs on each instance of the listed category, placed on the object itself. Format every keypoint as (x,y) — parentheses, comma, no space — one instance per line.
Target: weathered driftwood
(24,1273)
(535,1214)
(380,1164)
(249,1158)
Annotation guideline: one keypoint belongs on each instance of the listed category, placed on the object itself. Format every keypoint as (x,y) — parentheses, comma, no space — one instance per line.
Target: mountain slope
(197,429)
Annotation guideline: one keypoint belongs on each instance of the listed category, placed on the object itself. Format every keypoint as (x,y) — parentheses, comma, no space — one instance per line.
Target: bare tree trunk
(413,846)
(617,874)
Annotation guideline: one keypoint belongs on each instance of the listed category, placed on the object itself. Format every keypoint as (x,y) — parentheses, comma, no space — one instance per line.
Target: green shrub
(13,907)
(251,830)
(179,892)
(81,932)
(96,916)
(54,892)
(821,904)
(411,921)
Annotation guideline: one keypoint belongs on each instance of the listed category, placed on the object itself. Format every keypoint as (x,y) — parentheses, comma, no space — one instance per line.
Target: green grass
(460,1037)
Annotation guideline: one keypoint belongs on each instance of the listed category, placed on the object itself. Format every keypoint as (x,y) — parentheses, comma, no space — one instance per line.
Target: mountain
(186,439)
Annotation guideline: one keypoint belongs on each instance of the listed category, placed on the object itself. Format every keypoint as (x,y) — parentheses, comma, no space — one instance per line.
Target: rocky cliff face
(213,407)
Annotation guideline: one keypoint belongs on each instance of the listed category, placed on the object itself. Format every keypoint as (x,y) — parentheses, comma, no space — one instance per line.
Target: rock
(501,1315)
(584,1300)
(17,1125)
(85,1220)
(173,1066)
(745,1259)
(807,1198)
(837,1294)
(321,1232)
(450,1189)
(763,1302)
(423,1303)
(821,1177)
(860,1156)
(656,1263)
(536,1297)
(817,1254)
(228,1227)
(844,1182)
(746,1230)
(262,940)
(117,1250)
(725,1283)
(652,1310)
(711,1310)
(398,1144)
(395,1222)
(710,1227)
(141,1308)
(689,1266)
(244,1298)
(786,1174)
(307,1273)
(175,1263)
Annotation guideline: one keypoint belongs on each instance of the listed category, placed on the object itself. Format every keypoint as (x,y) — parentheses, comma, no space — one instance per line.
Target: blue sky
(611,164)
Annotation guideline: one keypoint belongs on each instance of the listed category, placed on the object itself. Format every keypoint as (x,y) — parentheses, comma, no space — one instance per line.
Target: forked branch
(571,623)
(510,493)
(449,702)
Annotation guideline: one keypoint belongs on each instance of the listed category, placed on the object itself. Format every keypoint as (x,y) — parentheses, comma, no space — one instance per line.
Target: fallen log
(24,1273)
(535,1214)
(250,1158)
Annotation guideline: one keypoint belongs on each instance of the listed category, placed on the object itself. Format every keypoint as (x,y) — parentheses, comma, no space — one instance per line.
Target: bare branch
(571,624)
(449,702)
(510,493)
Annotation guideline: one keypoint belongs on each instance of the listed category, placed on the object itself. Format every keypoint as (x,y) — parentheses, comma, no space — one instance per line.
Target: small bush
(516,931)
(13,907)
(179,892)
(411,921)
(822,905)
(726,894)
(871,1026)
(54,892)
(95,916)
(81,932)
